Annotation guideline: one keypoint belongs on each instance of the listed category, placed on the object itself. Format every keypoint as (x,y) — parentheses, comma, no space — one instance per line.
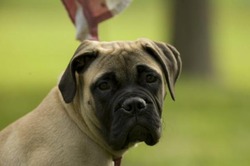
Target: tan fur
(48,136)
(59,133)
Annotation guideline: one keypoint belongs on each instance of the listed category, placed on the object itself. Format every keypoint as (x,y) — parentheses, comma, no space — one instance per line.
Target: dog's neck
(90,127)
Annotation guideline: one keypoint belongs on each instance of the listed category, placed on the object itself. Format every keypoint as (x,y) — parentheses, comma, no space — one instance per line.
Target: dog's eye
(150,78)
(104,86)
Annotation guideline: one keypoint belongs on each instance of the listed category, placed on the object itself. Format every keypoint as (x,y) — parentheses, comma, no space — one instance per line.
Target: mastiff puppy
(109,98)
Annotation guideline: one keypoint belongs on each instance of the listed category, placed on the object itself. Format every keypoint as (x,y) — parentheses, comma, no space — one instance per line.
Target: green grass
(208,125)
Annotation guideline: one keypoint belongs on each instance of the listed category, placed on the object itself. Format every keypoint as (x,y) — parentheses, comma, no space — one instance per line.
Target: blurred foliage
(209,122)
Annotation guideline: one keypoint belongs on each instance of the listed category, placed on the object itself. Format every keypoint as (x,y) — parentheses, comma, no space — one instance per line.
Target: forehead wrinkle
(122,63)
(121,66)
(127,66)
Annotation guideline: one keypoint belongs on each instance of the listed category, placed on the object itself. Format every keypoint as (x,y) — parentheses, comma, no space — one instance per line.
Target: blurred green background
(208,125)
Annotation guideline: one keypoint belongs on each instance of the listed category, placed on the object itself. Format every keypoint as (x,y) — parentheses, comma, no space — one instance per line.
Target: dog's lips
(139,134)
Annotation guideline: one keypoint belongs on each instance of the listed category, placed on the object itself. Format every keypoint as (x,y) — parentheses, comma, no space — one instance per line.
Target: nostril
(141,104)
(127,107)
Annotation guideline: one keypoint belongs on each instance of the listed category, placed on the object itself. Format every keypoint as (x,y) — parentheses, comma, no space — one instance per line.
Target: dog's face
(124,85)
(127,97)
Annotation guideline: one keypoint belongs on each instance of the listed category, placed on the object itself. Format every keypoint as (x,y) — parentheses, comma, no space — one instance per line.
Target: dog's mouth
(127,137)
(141,134)
(130,129)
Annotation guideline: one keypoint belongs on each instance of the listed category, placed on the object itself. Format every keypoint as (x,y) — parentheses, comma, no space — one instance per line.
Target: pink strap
(117,161)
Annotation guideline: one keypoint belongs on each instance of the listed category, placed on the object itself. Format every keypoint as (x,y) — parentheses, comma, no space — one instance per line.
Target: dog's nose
(134,104)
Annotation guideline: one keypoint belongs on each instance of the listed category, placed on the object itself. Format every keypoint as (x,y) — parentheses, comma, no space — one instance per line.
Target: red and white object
(87,14)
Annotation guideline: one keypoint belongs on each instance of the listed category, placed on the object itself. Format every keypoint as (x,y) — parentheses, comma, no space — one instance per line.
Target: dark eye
(104,86)
(150,78)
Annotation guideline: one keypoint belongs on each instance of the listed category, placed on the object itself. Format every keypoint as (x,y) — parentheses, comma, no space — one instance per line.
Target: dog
(109,98)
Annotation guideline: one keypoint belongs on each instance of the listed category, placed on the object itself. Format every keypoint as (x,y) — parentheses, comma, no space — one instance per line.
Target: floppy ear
(169,59)
(80,61)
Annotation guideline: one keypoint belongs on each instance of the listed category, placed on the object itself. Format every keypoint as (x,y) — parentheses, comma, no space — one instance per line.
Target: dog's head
(123,84)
